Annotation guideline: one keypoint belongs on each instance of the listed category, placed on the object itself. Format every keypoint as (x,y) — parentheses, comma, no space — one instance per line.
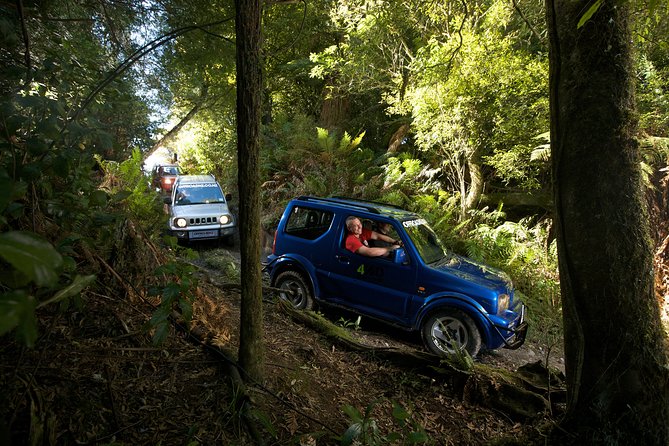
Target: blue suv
(454,302)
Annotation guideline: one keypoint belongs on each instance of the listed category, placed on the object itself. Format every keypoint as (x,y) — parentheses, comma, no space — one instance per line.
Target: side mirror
(401,257)
(228,197)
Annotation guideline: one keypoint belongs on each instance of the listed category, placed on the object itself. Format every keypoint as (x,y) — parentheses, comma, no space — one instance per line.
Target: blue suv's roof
(372,207)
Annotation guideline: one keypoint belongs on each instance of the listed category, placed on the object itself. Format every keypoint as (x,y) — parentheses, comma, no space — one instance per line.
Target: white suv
(199,211)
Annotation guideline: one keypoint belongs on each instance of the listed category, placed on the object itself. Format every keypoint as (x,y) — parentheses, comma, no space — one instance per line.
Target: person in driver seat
(357,240)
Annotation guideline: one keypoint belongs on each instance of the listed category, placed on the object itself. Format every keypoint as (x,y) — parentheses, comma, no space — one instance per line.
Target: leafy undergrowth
(94,377)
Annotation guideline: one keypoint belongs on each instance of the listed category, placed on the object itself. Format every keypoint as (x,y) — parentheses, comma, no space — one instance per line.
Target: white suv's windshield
(198,194)
(425,240)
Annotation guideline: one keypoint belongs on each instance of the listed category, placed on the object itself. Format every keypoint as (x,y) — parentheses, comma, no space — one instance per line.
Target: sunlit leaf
(589,13)
(541,153)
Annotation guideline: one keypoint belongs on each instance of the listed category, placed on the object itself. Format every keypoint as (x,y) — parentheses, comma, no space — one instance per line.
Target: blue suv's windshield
(199,194)
(425,240)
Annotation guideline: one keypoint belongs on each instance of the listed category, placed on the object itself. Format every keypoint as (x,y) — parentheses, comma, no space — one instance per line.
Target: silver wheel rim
(449,333)
(296,288)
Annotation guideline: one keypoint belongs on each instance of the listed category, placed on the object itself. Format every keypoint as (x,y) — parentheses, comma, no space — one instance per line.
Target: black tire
(446,330)
(301,298)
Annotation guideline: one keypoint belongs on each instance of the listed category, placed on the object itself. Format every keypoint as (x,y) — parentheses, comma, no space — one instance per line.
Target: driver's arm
(385,238)
(376,251)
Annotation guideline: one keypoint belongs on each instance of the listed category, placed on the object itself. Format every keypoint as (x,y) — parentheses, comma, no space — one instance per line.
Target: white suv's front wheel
(447,331)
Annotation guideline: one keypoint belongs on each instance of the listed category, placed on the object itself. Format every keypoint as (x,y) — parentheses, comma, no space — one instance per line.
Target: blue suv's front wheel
(444,331)
(299,293)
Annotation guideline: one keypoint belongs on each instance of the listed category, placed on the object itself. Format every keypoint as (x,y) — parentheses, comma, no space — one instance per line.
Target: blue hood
(471,271)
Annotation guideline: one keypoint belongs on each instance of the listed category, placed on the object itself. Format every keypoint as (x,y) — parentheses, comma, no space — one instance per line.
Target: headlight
(502,303)
(225,219)
(180,222)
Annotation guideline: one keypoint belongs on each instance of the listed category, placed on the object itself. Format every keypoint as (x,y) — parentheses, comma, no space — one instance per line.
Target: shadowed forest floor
(94,377)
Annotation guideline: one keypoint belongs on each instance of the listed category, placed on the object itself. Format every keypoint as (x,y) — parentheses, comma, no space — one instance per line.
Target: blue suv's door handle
(343,259)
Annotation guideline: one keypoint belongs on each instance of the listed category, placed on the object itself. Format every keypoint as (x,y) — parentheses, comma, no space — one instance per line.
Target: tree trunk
(397,139)
(335,107)
(614,346)
(249,88)
(475,180)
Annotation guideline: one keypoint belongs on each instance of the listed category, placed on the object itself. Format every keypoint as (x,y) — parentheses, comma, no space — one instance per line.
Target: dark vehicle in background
(454,302)
(164,176)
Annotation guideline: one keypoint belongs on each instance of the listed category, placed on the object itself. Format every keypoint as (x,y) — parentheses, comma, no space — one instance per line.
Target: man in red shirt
(356,240)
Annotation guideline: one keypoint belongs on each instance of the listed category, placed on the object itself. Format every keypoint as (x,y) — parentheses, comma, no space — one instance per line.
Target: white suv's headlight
(502,303)
(180,222)
(225,219)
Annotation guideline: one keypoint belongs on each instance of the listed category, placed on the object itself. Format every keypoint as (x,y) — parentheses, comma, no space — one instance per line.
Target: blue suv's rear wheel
(447,330)
(300,295)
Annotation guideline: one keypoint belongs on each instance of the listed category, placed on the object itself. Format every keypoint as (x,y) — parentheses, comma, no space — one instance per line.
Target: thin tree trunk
(475,181)
(614,346)
(174,131)
(249,89)
(397,139)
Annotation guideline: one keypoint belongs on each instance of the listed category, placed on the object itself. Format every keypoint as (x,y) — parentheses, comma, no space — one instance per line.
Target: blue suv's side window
(308,223)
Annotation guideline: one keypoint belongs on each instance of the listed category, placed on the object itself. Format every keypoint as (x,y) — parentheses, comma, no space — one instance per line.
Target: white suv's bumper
(203,232)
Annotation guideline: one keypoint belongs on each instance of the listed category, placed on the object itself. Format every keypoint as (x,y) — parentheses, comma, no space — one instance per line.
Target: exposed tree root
(531,391)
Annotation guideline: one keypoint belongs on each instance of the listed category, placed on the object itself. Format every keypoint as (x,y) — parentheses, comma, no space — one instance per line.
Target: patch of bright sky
(146,30)
(147,69)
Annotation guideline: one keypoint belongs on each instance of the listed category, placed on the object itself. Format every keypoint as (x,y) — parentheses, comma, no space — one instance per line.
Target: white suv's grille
(202,221)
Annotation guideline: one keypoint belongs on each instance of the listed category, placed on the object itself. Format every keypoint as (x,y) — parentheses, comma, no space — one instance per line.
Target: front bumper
(519,333)
(203,233)
(518,338)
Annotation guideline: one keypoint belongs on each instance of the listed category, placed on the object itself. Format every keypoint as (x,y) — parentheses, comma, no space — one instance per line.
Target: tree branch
(26,41)
(204,93)
(527,22)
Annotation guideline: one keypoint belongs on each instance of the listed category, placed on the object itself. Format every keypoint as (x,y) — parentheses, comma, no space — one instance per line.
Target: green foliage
(223,262)
(302,158)
(530,258)
(364,430)
(127,184)
(51,209)
(653,97)
(34,274)
(345,323)
(460,359)
(176,294)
